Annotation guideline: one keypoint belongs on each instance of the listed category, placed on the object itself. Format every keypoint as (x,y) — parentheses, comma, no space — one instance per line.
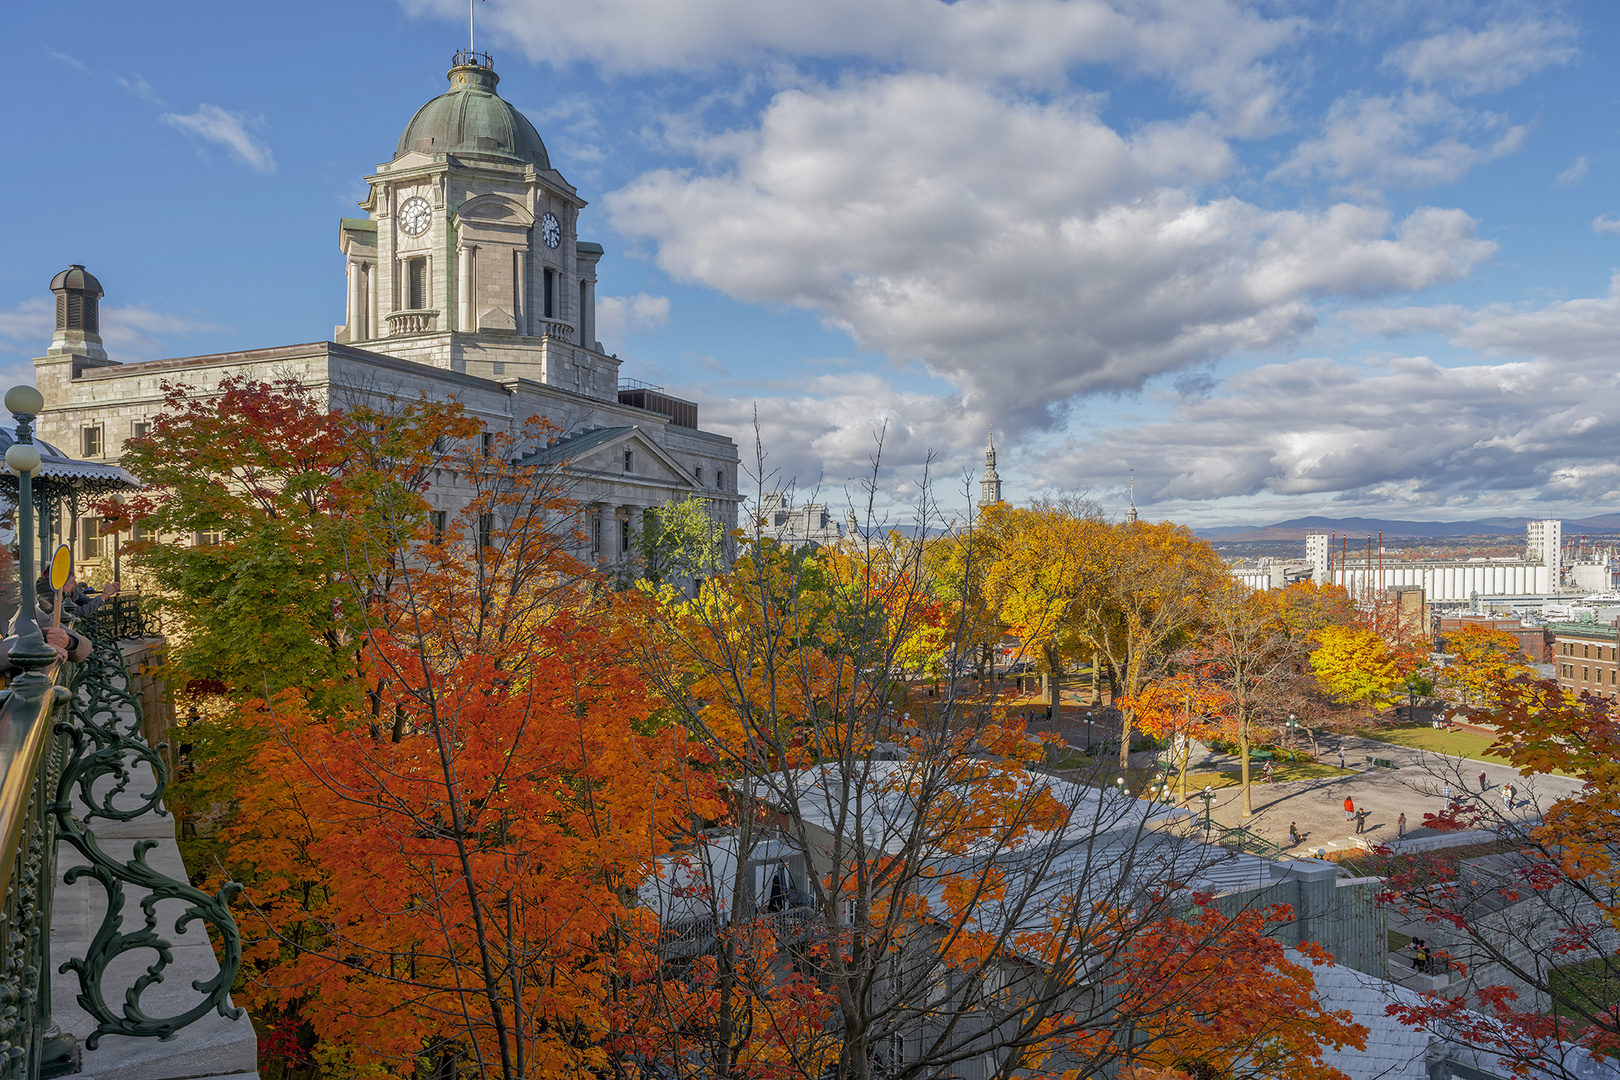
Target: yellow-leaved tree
(1358,667)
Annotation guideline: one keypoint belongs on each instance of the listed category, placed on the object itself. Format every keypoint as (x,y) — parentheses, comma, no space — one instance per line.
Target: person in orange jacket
(1349,808)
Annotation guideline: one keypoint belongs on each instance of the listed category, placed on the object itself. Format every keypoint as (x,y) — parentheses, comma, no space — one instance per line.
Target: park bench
(1381,762)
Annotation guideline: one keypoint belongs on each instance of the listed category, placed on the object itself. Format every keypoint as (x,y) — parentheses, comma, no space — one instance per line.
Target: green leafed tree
(257,499)
(680,540)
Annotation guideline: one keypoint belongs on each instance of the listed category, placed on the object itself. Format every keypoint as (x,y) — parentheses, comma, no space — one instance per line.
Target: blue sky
(1278,258)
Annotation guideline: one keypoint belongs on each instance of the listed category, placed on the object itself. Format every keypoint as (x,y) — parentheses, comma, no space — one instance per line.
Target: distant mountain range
(1299,528)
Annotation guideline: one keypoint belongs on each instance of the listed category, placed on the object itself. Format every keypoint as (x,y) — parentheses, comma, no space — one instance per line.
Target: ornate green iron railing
(67,732)
(81,735)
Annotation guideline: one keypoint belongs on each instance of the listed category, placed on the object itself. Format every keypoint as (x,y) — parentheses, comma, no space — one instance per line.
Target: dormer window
(629,461)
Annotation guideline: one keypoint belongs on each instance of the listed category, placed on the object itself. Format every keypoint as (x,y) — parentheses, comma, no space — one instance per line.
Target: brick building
(1585,656)
(1534,641)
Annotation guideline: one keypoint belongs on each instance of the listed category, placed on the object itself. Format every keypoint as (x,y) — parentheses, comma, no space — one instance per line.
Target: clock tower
(469,257)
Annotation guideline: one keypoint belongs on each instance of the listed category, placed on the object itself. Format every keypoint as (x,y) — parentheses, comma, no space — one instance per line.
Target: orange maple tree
(1528,935)
(1178,709)
(1217,995)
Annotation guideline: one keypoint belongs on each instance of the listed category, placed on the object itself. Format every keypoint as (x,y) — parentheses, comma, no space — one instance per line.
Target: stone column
(587,317)
(357,307)
(520,307)
(464,299)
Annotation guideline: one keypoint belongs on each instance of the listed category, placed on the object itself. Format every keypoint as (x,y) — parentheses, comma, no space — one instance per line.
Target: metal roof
(79,279)
(472,120)
(86,477)
(569,449)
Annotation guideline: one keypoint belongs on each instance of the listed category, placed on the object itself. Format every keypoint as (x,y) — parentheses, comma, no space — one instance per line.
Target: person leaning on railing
(65,643)
(82,601)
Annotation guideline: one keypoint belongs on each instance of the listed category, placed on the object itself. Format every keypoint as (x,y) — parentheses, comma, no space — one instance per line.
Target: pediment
(602,453)
(494,210)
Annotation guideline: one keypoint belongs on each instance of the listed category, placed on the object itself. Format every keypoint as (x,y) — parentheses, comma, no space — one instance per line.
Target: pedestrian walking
(1509,793)
(1293,834)
(1349,808)
(1445,793)
(1267,772)
(1400,825)
(1341,757)
(1483,786)
(1361,820)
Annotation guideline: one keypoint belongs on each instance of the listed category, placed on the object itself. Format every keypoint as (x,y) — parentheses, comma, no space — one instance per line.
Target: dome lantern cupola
(471,120)
(78,315)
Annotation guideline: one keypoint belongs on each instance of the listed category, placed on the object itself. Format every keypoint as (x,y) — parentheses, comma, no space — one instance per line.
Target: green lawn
(1593,983)
(1438,741)
(1296,770)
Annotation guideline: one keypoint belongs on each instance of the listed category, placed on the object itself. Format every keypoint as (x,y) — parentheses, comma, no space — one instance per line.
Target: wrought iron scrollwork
(104,741)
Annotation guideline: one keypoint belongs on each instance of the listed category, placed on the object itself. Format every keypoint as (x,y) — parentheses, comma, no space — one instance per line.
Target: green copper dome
(472,121)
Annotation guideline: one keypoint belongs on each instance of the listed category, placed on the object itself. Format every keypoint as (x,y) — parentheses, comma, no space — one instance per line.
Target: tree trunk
(1243,749)
(1053,681)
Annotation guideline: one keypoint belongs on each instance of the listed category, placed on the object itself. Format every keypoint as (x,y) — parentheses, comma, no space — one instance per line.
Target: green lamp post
(30,652)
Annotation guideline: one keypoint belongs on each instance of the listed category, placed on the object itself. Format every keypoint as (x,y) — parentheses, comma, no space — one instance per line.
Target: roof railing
(468,58)
(637,384)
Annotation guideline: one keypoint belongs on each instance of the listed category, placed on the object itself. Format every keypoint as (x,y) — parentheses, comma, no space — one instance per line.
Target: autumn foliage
(458,761)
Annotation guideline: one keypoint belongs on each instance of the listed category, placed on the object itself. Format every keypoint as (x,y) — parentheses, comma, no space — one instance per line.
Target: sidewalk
(1412,787)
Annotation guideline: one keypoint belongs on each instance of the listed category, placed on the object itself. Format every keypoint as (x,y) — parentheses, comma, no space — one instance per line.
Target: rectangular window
(486,443)
(91,543)
(140,429)
(697,474)
(486,530)
(551,293)
(596,534)
(441,522)
(92,441)
(629,460)
(209,537)
(1586,674)
(624,535)
(141,532)
(416,283)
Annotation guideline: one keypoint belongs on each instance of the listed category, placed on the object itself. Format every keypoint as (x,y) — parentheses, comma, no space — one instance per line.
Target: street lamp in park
(1088,731)
(1292,725)
(1208,795)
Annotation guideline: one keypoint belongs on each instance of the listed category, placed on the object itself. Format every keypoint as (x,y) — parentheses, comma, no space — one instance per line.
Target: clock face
(415,215)
(550,231)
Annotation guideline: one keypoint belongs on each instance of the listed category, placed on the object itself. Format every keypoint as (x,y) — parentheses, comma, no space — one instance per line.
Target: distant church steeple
(990,482)
(1130,515)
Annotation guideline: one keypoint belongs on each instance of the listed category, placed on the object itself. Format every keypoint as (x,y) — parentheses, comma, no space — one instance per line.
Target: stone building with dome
(465,279)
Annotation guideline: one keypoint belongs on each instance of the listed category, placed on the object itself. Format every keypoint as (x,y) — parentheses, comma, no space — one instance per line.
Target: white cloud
(130,332)
(1408,431)
(1216,51)
(1574,174)
(1023,250)
(822,432)
(1415,139)
(64,58)
(1501,55)
(212,124)
(139,87)
(620,316)
(29,323)
(1603,223)
(1393,322)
